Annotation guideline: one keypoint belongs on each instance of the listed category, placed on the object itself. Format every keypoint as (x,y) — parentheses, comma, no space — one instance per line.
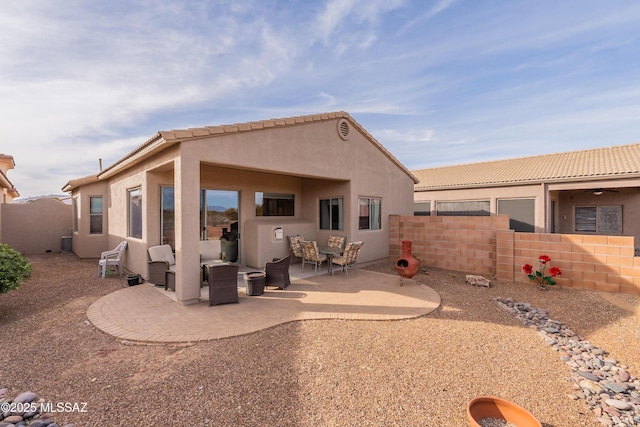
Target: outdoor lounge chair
(311,254)
(349,258)
(296,248)
(112,257)
(277,272)
(162,264)
(223,283)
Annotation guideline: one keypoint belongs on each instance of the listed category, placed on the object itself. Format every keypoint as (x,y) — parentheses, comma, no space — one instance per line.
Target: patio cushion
(210,250)
(162,253)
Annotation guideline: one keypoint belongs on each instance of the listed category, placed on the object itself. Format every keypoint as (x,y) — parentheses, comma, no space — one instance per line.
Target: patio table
(330,253)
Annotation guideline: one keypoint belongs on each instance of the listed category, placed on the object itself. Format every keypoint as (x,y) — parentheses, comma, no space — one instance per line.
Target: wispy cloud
(436,81)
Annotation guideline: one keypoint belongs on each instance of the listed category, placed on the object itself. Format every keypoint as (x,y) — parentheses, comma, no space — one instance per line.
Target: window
(274,204)
(369,214)
(167,216)
(464,208)
(331,216)
(74,203)
(521,213)
(95,215)
(422,208)
(134,208)
(599,219)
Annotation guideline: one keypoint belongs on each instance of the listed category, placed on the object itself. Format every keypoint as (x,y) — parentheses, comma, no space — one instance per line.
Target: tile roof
(600,163)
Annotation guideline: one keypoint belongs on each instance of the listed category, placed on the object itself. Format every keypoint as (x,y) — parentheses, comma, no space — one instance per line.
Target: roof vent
(344,130)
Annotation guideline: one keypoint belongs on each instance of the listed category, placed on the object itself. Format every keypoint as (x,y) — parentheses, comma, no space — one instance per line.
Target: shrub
(14,269)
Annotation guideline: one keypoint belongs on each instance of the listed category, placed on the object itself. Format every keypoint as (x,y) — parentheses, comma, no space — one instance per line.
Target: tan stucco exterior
(307,157)
(35,227)
(564,196)
(7,191)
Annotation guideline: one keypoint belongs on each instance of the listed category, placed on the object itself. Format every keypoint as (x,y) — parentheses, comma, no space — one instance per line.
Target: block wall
(462,243)
(486,246)
(599,263)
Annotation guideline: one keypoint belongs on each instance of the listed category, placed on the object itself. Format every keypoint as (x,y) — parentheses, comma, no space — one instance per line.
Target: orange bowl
(494,407)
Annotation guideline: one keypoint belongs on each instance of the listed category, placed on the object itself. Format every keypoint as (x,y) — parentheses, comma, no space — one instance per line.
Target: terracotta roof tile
(617,161)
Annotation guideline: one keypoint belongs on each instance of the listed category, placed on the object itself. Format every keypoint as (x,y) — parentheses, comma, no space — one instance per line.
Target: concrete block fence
(485,246)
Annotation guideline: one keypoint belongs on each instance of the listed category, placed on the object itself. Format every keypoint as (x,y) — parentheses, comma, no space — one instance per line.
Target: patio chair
(311,254)
(277,272)
(162,264)
(223,283)
(336,242)
(349,258)
(295,247)
(112,257)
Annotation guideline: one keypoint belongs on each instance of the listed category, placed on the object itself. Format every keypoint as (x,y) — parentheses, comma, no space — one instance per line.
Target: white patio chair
(112,257)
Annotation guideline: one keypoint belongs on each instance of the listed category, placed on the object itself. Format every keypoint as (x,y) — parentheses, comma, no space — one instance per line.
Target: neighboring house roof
(164,139)
(9,163)
(600,163)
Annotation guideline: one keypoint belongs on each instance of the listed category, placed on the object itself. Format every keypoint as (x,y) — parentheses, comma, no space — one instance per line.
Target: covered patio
(147,314)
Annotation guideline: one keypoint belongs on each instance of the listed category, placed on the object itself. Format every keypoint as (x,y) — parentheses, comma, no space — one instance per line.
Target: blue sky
(437,82)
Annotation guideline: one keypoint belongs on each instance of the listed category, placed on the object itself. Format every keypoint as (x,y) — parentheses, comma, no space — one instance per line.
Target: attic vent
(344,130)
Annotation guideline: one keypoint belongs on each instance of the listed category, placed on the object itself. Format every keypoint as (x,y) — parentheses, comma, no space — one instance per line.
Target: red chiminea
(407,266)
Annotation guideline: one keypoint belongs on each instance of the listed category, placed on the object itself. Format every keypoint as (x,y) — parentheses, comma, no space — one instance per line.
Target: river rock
(25,397)
(618,404)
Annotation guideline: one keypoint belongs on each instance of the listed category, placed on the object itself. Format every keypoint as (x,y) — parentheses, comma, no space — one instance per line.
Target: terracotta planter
(407,266)
(494,407)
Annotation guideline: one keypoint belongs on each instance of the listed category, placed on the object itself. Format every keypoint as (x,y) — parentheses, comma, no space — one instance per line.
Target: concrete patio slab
(143,313)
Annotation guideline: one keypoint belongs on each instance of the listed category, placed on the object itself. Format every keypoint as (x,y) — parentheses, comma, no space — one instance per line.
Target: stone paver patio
(144,313)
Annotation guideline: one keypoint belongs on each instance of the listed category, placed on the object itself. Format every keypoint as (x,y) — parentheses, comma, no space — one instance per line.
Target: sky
(437,82)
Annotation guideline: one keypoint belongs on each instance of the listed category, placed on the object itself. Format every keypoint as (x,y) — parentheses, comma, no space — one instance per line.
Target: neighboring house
(593,191)
(9,192)
(259,182)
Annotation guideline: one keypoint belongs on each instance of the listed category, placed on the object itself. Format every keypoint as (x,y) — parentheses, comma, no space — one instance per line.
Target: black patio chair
(223,283)
(277,272)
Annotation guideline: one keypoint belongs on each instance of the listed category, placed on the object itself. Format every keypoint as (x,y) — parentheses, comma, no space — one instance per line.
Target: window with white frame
(95,215)
(134,210)
(463,208)
(422,208)
(331,214)
(522,213)
(369,213)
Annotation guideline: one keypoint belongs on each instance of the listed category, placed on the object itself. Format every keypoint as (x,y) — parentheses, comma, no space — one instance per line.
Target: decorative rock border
(13,413)
(610,391)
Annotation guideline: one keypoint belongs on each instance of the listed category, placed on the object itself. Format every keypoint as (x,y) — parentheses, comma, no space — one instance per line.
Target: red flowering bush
(539,275)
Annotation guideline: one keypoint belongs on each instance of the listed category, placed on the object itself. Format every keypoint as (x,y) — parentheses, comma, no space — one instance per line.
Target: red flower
(555,271)
(527,268)
(544,259)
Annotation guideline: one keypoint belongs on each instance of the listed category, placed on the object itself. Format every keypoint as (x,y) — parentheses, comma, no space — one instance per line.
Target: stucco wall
(492,194)
(35,227)
(85,244)
(628,198)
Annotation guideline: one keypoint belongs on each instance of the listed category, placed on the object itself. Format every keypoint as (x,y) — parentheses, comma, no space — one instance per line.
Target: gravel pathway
(419,372)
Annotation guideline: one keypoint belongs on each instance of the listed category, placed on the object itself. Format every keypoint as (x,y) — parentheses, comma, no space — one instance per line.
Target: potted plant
(482,409)
(133,279)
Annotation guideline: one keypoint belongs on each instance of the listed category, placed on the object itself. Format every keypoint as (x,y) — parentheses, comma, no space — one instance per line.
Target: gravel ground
(419,372)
